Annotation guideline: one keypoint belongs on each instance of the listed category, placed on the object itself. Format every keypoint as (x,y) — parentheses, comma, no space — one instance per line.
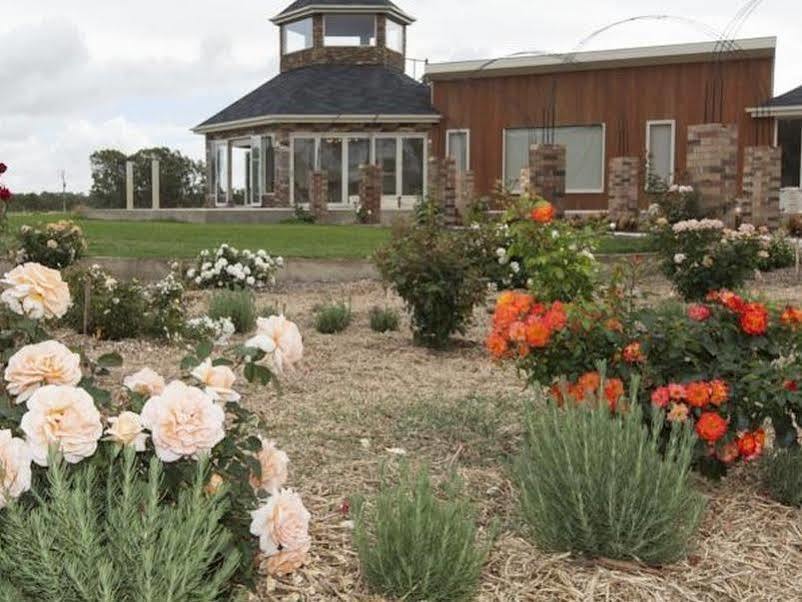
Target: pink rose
(699,313)
(661,397)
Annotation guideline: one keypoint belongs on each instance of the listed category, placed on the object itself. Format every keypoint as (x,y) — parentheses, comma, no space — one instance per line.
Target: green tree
(108,178)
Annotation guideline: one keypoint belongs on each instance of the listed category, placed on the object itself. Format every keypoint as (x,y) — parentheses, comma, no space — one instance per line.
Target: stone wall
(761,186)
(547,174)
(442,186)
(319,195)
(712,166)
(344,55)
(623,188)
(370,192)
(466,190)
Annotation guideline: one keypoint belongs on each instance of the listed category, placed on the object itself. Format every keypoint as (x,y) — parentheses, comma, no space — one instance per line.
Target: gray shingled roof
(332,90)
(299,4)
(789,99)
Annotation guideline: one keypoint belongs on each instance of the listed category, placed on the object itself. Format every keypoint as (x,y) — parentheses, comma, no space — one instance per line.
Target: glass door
(240,173)
(331,161)
(386,158)
(303,164)
(358,155)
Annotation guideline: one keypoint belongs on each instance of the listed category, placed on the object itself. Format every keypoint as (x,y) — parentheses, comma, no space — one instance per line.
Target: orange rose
(719,392)
(697,394)
(518,332)
(614,325)
(755,319)
(711,427)
(543,213)
(633,354)
(538,333)
(555,317)
(676,392)
(729,452)
(791,316)
(497,345)
(750,445)
(613,392)
(589,382)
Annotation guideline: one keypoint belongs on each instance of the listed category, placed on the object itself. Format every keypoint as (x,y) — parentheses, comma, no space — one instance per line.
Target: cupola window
(298,35)
(395,36)
(350,30)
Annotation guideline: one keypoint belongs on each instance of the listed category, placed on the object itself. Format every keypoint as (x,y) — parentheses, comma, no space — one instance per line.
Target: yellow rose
(35,291)
(47,363)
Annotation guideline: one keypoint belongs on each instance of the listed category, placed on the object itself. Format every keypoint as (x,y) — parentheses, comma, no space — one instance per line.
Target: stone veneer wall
(442,186)
(761,185)
(370,192)
(547,173)
(712,166)
(344,55)
(466,190)
(623,188)
(319,194)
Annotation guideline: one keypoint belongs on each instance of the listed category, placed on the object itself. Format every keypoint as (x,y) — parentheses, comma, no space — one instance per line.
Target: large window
(350,30)
(394,36)
(789,138)
(358,155)
(458,148)
(584,144)
(303,164)
(297,35)
(412,167)
(386,159)
(660,152)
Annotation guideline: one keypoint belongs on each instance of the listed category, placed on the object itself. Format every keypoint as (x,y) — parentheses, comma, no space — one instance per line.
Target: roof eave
(306,11)
(775,111)
(273,119)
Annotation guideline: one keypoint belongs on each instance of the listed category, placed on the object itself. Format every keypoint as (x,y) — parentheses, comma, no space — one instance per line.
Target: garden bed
(361,400)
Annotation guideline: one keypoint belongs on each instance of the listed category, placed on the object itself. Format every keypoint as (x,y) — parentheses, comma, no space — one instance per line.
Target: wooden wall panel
(622,98)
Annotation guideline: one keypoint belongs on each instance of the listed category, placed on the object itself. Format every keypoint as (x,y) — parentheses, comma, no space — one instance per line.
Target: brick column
(761,185)
(319,194)
(442,186)
(623,189)
(713,166)
(466,188)
(547,174)
(370,192)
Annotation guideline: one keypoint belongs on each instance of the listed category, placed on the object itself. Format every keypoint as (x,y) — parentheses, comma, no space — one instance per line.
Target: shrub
(228,267)
(795,225)
(238,306)
(126,543)
(703,256)
(333,318)
(164,317)
(782,476)
(675,203)
(383,319)
(414,546)
(205,328)
(437,275)
(56,245)
(600,486)
(776,253)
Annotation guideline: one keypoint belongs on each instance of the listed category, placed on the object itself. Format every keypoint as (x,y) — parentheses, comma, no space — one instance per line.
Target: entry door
(331,161)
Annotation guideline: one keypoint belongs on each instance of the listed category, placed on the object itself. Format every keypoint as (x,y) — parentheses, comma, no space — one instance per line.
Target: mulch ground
(360,401)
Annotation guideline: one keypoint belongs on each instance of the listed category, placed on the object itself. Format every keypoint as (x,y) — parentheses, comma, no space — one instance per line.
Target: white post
(129,185)
(154,166)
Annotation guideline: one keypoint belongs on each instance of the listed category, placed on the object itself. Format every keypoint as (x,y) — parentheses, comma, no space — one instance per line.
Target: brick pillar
(281,154)
(761,185)
(547,173)
(442,186)
(713,166)
(370,192)
(623,188)
(319,194)
(466,188)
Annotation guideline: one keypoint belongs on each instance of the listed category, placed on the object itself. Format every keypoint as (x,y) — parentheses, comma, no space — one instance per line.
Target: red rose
(661,397)
(750,445)
(3,168)
(5,193)
(699,312)
(755,319)
(711,427)
(543,213)
(791,385)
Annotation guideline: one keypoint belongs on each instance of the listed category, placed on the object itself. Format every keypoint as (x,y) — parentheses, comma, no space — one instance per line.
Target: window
(303,164)
(660,151)
(298,35)
(412,167)
(584,149)
(789,138)
(331,162)
(386,159)
(458,148)
(358,155)
(221,173)
(350,30)
(394,36)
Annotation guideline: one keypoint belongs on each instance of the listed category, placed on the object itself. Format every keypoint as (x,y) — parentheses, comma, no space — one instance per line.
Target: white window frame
(467,133)
(602,125)
(215,146)
(649,124)
(283,34)
(228,143)
(375,30)
(403,35)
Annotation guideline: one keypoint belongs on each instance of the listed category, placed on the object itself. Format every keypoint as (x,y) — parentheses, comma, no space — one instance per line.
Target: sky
(81,75)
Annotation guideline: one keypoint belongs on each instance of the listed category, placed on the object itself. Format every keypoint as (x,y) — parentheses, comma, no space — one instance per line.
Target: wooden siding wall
(622,98)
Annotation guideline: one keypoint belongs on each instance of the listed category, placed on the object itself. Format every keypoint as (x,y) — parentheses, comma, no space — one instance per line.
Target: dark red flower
(3,168)
(791,385)
(5,193)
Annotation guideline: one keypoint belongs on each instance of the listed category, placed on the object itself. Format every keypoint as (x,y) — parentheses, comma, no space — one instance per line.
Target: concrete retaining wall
(231,215)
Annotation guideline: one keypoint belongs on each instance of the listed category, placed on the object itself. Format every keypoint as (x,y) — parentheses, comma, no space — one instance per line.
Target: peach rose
(65,417)
(279,336)
(274,468)
(289,561)
(146,382)
(183,422)
(126,429)
(282,524)
(35,291)
(15,467)
(219,381)
(48,363)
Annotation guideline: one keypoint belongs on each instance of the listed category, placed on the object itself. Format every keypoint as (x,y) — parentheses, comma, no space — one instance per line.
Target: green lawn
(613,245)
(178,240)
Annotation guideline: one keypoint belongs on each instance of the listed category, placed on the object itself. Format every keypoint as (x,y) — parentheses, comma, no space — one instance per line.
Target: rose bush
(229,267)
(56,245)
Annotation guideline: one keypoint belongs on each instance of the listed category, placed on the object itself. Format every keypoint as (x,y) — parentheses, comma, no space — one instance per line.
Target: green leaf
(189,362)
(110,360)
(254,373)
(204,350)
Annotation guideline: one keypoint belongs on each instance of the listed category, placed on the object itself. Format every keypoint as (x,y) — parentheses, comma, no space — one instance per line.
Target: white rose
(273,463)
(47,363)
(15,467)
(52,244)
(146,382)
(65,417)
(219,381)
(183,422)
(279,336)
(35,291)
(282,524)
(126,429)
(679,258)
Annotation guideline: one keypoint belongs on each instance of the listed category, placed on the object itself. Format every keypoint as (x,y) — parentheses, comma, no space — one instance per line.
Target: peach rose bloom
(282,524)
(279,336)
(48,363)
(65,417)
(146,382)
(219,381)
(274,468)
(183,422)
(15,467)
(126,429)
(289,561)
(35,291)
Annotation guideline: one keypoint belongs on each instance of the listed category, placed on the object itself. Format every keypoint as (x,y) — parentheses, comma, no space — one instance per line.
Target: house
(341,100)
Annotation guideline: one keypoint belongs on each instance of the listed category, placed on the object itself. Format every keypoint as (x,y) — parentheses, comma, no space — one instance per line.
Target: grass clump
(237,305)
(333,318)
(383,319)
(601,486)
(782,476)
(414,546)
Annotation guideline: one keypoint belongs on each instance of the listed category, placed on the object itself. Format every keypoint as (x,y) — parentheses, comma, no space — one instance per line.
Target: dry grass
(360,398)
